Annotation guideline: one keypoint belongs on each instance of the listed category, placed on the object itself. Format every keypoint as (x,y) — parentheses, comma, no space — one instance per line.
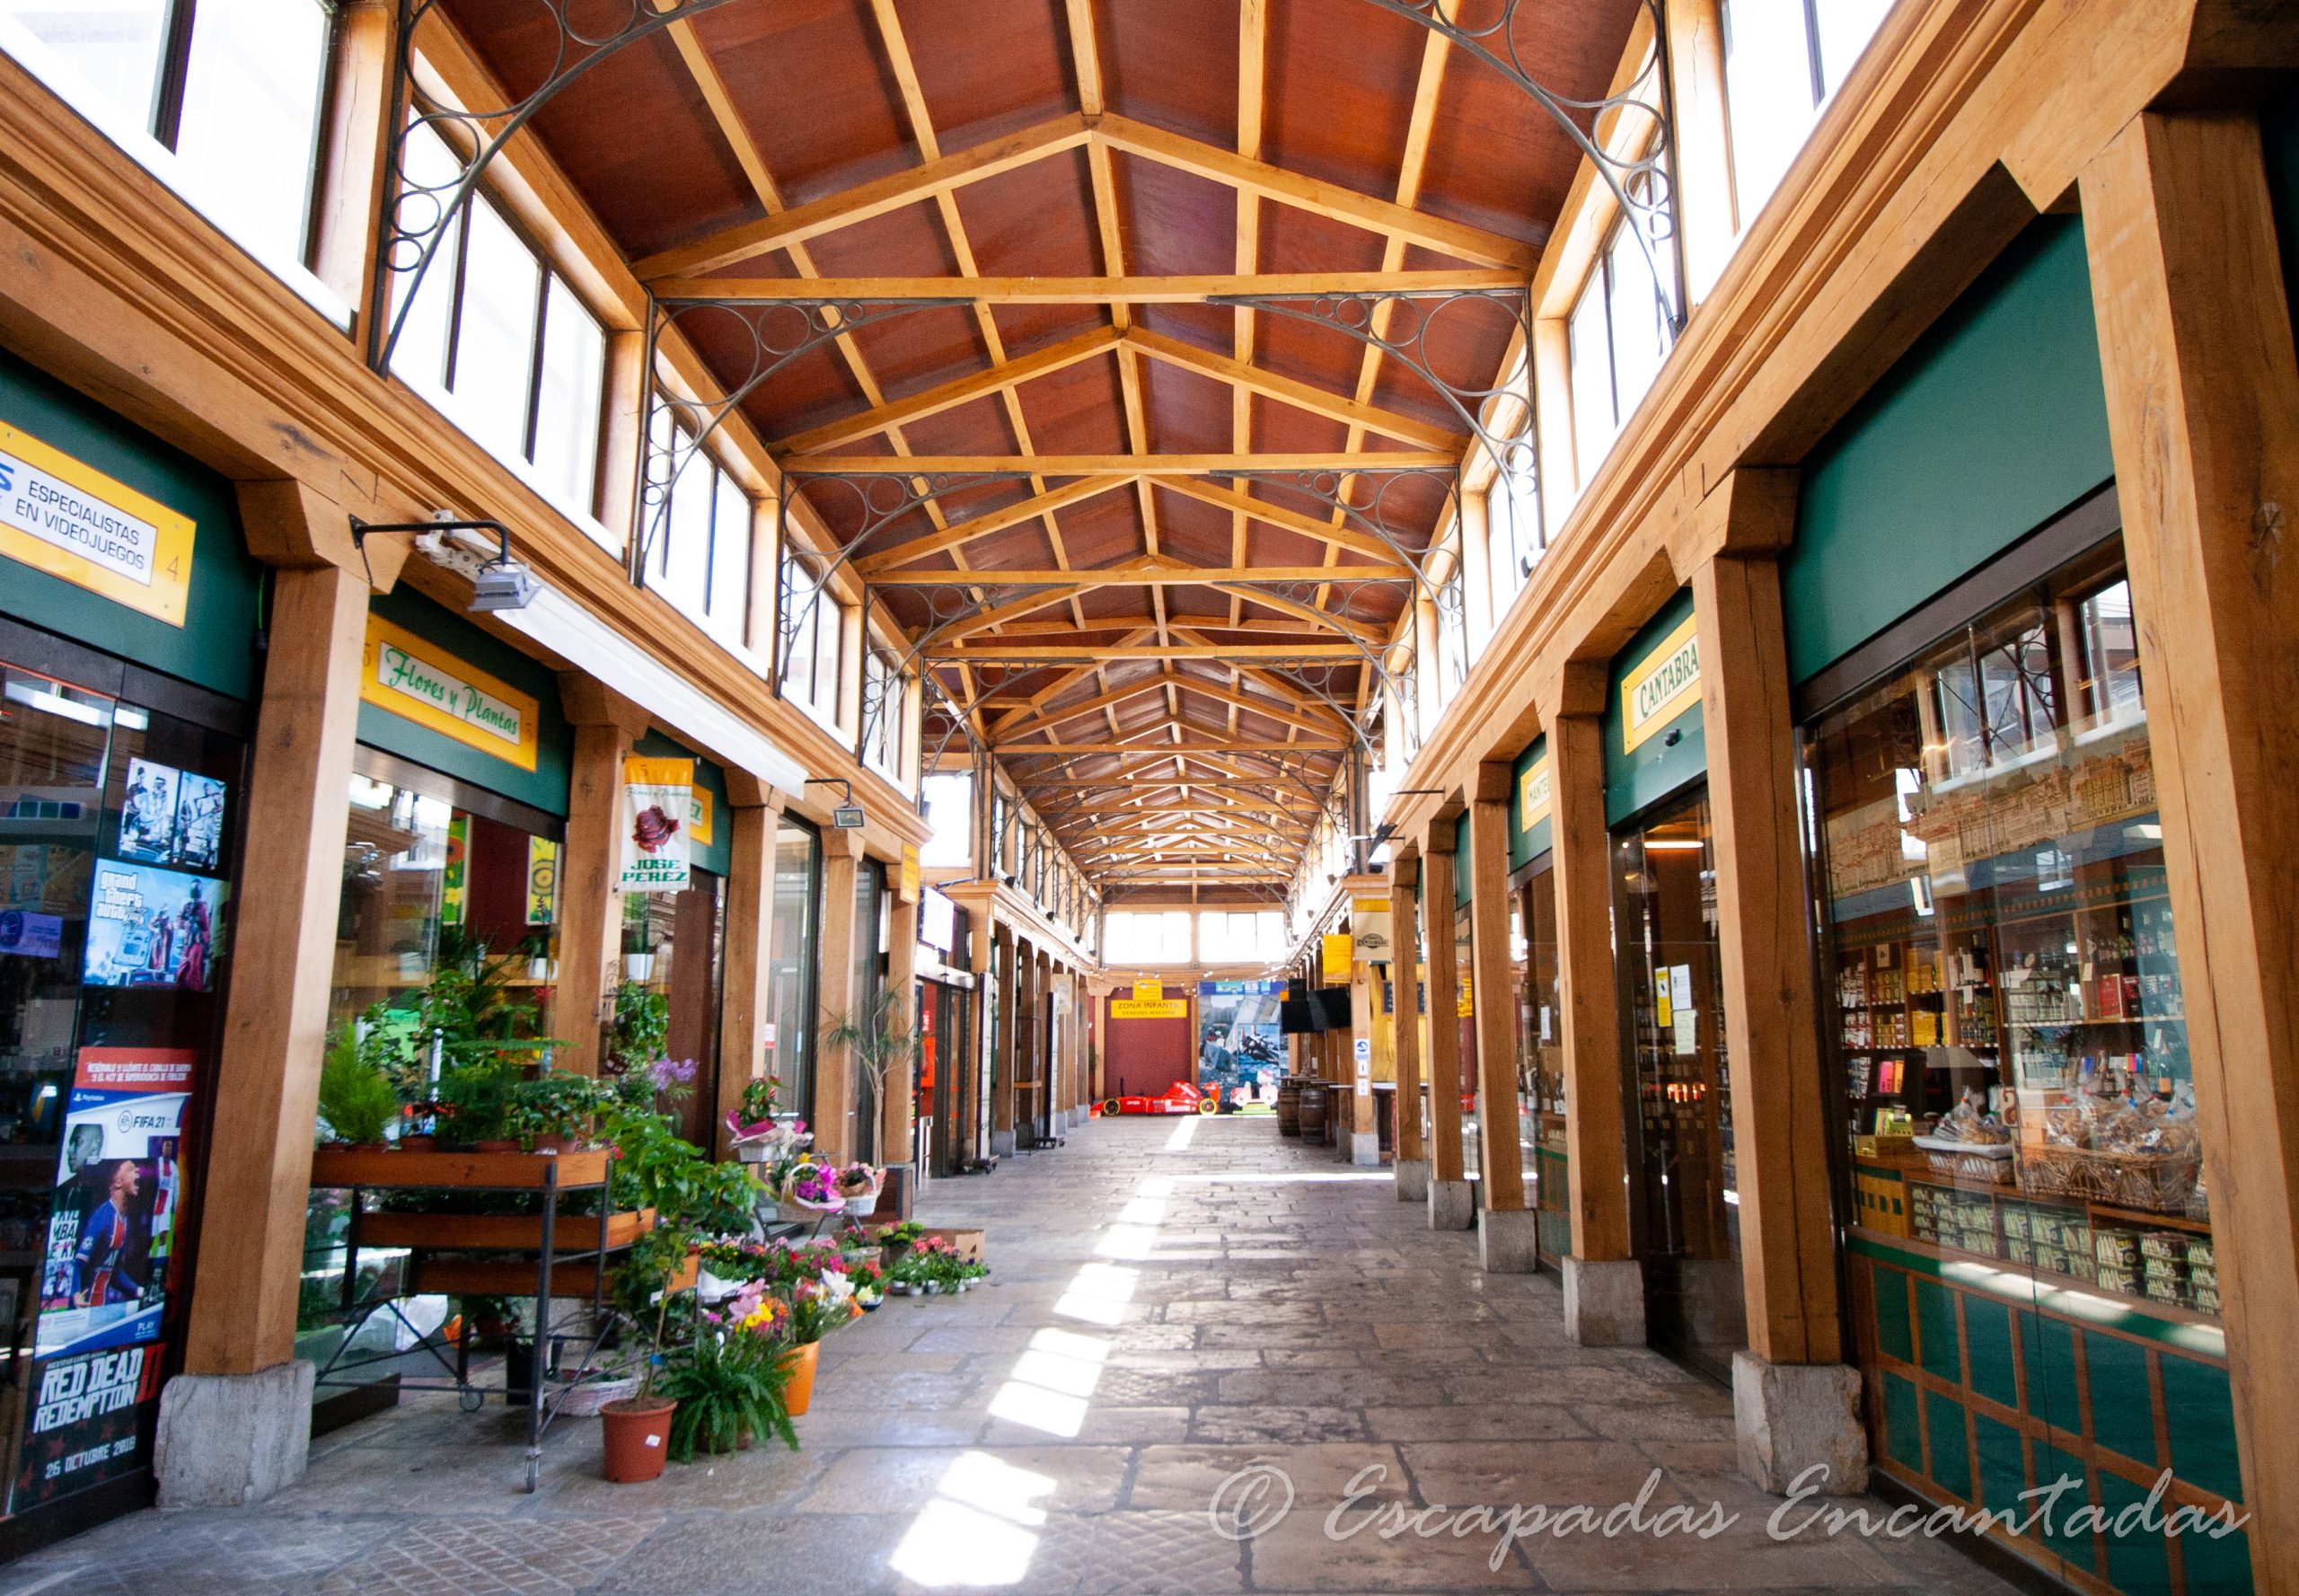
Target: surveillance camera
(503,585)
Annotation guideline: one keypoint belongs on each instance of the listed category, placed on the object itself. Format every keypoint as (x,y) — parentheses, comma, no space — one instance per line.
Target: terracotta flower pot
(802,1361)
(637,1437)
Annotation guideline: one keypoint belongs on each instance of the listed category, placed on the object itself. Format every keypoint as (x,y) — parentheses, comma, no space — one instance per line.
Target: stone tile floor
(1179,1300)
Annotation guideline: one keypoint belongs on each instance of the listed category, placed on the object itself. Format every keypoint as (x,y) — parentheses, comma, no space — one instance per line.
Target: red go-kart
(1181,1097)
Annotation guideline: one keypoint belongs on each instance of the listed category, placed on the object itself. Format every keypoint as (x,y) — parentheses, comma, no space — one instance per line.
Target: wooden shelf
(465,1277)
(392,1169)
(523,1232)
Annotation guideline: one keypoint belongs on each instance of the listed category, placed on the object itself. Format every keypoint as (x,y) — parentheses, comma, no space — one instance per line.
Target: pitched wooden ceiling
(1016,156)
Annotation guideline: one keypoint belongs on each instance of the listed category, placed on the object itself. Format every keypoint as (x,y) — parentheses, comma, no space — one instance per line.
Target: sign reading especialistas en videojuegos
(74,522)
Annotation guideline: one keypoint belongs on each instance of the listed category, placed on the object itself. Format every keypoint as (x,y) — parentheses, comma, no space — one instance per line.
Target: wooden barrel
(1313,1113)
(1289,1107)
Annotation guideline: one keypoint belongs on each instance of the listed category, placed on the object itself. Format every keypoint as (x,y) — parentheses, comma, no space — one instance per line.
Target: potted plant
(638,1427)
(819,1304)
(811,1189)
(357,1101)
(731,1383)
(552,1114)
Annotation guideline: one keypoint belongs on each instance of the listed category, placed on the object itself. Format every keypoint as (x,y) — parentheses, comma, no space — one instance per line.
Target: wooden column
(1444,985)
(352,163)
(590,916)
(1405,953)
(1503,1156)
(1042,1038)
(835,1000)
(1596,1148)
(745,1000)
(1780,1126)
(975,1077)
(898,1111)
(283,957)
(1007,993)
(2203,413)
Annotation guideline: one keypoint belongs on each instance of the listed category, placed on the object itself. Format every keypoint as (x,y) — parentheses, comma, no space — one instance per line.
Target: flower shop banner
(657,802)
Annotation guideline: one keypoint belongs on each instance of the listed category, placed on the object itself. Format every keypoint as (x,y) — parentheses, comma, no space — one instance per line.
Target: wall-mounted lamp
(502,583)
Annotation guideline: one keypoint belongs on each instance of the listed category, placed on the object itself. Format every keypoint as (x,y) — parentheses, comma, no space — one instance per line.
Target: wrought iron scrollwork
(1641,172)
(420,207)
(1400,326)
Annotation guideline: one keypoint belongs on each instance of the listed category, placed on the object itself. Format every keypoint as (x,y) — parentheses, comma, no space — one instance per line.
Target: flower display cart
(552,1256)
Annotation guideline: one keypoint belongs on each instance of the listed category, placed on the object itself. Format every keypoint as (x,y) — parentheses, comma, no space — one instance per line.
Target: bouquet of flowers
(813,1185)
(761,1138)
(858,1187)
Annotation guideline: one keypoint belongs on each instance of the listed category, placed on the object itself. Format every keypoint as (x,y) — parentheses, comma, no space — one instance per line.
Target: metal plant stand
(551,1271)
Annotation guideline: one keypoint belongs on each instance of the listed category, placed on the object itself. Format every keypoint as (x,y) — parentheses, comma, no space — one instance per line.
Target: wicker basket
(2155,1182)
(1970,1167)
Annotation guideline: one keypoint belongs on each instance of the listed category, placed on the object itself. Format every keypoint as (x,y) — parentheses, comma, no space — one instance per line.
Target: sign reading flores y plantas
(72,521)
(418,681)
(656,803)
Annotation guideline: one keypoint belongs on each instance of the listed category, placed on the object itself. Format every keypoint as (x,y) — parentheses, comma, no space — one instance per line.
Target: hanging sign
(1337,951)
(542,882)
(418,681)
(72,521)
(1149,990)
(455,888)
(701,817)
(1370,922)
(1664,684)
(908,888)
(655,796)
(1464,1000)
(1148,1001)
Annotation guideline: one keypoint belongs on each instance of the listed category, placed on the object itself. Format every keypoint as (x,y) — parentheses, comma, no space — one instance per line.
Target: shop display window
(438,877)
(2001,1000)
(117,843)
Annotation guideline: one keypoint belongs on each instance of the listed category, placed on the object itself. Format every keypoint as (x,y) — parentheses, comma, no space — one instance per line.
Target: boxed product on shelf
(2207,1301)
(2019,1250)
(2165,1245)
(2166,1289)
(2017,1222)
(2080,1264)
(2114,1278)
(2054,1258)
(2117,1249)
(2199,1253)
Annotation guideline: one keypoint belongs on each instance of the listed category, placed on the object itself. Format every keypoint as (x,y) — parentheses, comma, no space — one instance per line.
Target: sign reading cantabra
(655,799)
(1663,686)
(417,680)
(74,521)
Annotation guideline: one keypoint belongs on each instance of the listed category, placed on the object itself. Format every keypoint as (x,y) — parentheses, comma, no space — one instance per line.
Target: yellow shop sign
(421,682)
(74,522)
(1663,686)
(1533,794)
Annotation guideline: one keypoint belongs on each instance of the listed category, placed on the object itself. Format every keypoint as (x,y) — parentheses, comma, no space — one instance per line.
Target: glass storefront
(674,946)
(1684,1198)
(1540,1058)
(868,952)
(120,826)
(2034,1289)
(790,1029)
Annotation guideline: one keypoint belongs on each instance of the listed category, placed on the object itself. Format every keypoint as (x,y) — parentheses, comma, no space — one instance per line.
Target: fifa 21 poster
(111,1228)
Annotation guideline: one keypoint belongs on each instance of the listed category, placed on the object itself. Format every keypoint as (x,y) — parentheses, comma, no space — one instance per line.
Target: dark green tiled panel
(2216,1568)
(1892,1313)
(2003,1465)
(2203,1425)
(2138,1565)
(2123,1416)
(1935,1328)
(1987,1339)
(2052,1464)
(1951,1448)
(1903,1441)
(2051,1372)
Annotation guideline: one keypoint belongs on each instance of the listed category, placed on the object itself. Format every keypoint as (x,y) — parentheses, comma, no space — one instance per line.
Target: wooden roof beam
(949,395)
(960,532)
(1330,200)
(1057,654)
(1083,290)
(1301,396)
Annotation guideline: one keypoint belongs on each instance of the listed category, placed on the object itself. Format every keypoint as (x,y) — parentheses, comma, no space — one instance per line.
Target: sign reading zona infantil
(418,681)
(73,521)
(1662,686)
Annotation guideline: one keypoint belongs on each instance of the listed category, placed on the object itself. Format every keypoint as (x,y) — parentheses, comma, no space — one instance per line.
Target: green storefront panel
(1671,755)
(1526,842)
(543,787)
(1993,423)
(215,648)
(717,854)
(1952,1447)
